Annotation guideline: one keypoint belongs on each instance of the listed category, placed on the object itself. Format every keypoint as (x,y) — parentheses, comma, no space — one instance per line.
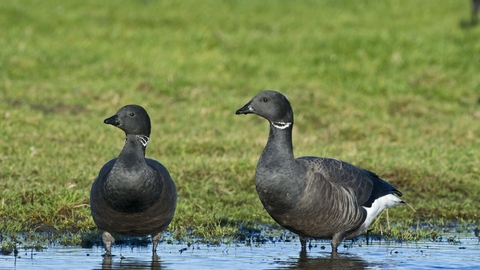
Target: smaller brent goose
(132,195)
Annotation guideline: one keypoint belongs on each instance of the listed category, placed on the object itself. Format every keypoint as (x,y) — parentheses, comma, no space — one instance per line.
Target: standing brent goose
(132,195)
(314,197)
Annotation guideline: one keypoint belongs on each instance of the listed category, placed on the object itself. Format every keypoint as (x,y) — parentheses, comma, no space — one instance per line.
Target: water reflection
(109,262)
(338,261)
(459,253)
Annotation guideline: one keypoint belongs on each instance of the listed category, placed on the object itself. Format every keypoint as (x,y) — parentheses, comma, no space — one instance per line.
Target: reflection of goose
(310,196)
(132,195)
(335,261)
(154,264)
(107,262)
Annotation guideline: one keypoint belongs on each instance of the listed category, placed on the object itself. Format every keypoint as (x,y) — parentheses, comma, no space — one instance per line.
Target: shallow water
(462,253)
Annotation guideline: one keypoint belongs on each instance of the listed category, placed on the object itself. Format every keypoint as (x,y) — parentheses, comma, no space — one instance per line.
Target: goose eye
(131,114)
(264,99)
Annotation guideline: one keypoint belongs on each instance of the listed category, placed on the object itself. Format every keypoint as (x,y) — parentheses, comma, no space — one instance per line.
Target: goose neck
(279,144)
(134,149)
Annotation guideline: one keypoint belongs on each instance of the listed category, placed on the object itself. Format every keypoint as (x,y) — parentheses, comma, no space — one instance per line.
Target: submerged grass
(392,87)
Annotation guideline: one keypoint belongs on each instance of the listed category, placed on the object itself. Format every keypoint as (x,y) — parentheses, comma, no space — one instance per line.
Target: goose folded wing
(363,184)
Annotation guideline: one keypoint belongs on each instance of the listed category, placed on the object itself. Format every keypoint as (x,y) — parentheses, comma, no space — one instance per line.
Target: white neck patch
(281,125)
(143,139)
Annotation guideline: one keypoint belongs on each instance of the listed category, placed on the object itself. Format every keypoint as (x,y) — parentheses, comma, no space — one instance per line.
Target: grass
(392,87)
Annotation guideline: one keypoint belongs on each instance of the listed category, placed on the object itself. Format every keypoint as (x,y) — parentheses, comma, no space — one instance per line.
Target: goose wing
(365,185)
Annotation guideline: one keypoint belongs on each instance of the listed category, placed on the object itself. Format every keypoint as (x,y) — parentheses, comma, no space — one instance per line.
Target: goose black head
(132,119)
(272,106)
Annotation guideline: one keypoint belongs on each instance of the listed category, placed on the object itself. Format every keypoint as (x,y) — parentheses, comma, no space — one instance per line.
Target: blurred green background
(390,86)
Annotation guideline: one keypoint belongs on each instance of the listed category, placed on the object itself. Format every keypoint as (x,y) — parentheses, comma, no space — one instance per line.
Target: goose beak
(113,120)
(245,109)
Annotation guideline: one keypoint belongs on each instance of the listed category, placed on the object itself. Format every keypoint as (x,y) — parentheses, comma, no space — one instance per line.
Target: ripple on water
(461,254)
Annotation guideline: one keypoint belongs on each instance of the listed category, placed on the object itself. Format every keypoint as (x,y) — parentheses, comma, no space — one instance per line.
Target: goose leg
(336,240)
(108,240)
(155,239)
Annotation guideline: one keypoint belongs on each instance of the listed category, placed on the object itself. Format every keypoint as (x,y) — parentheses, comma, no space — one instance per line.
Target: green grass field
(390,86)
